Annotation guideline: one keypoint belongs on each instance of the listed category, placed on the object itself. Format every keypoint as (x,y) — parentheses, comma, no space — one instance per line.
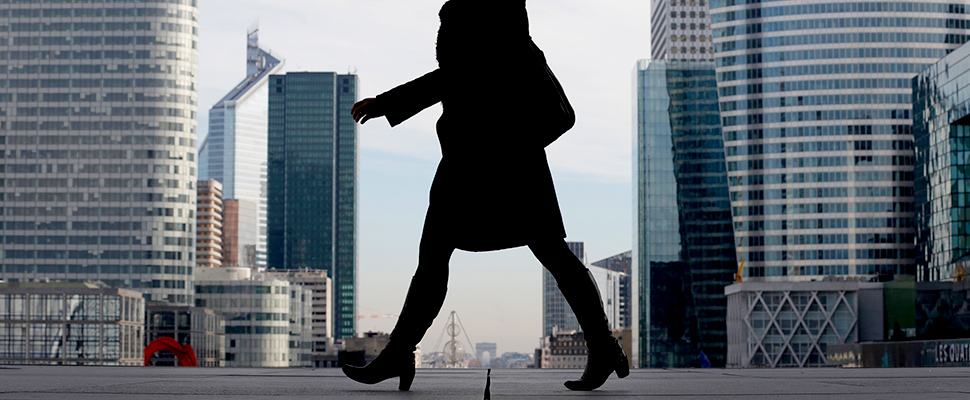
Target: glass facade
(684,255)
(97,143)
(234,152)
(70,324)
(313,183)
(817,119)
(941,127)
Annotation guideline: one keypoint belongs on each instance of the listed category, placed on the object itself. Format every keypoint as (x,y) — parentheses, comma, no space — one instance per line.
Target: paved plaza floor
(109,383)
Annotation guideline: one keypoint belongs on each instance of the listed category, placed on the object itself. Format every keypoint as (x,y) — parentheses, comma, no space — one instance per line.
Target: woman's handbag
(549,111)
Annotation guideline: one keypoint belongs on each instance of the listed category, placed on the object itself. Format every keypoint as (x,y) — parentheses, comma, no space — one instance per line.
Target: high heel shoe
(389,364)
(599,365)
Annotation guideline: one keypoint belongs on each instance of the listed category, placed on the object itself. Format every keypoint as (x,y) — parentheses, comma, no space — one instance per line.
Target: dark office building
(941,128)
(684,255)
(313,183)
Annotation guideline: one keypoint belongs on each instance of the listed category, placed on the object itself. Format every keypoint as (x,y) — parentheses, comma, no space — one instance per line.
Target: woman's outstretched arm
(402,102)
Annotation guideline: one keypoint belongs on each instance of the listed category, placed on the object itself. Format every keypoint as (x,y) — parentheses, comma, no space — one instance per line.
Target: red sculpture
(185,354)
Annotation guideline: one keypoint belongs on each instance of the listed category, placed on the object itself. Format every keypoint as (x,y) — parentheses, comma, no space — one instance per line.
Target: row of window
(693,38)
(830,53)
(798,270)
(831,8)
(811,131)
(832,23)
(839,38)
(201,287)
(818,115)
(256,330)
(92,83)
(822,208)
(817,100)
(98,27)
(95,255)
(952,8)
(821,223)
(825,192)
(101,269)
(814,162)
(834,254)
(89,211)
(96,140)
(857,176)
(35,96)
(127,197)
(684,26)
(129,126)
(88,226)
(97,155)
(795,240)
(96,12)
(94,183)
(817,146)
(102,112)
(821,69)
(813,84)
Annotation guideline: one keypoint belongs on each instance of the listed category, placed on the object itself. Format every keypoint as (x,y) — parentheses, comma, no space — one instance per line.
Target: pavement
(110,383)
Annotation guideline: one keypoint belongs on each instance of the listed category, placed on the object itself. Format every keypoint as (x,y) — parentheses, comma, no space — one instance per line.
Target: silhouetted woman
(493,189)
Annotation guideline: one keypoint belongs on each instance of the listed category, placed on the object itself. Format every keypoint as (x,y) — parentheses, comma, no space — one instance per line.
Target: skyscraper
(556,313)
(313,183)
(234,152)
(684,257)
(208,232)
(816,113)
(98,143)
(680,30)
(942,187)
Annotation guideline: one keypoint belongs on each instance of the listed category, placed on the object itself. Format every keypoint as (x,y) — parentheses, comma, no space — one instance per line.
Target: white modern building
(235,150)
(268,321)
(322,325)
(98,140)
(792,324)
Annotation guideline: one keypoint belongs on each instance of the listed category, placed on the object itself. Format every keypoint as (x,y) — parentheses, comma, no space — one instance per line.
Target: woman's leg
(578,287)
(425,297)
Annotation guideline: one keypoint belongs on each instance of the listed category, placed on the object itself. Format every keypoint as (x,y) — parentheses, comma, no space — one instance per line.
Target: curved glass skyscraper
(97,141)
(816,113)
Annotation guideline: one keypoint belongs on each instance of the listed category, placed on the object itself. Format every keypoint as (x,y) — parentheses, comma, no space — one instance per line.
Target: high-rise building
(941,126)
(234,152)
(556,313)
(238,245)
(684,257)
(313,183)
(98,141)
(816,113)
(208,228)
(681,30)
(621,263)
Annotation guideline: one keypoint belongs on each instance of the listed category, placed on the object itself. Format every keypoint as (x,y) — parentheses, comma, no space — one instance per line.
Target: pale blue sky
(591,45)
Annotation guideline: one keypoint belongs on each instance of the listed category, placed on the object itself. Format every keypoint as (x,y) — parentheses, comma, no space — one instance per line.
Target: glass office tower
(97,140)
(941,126)
(234,152)
(313,183)
(817,118)
(684,255)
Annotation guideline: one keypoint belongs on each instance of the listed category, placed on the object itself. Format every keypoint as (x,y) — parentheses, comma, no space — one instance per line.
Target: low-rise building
(323,352)
(70,324)
(202,328)
(262,326)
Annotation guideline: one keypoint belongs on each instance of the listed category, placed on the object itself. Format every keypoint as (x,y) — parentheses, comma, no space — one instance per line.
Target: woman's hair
(480,29)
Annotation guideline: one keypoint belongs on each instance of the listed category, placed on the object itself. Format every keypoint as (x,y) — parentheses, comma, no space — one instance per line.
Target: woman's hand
(366,109)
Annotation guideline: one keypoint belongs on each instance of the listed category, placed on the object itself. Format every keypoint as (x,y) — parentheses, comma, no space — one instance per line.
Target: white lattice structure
(791,324)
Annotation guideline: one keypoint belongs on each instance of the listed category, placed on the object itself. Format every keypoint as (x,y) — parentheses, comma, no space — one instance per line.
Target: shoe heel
(406,378)
(622,367)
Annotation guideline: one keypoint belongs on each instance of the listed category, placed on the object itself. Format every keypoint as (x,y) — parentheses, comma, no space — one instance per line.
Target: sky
(592,46)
